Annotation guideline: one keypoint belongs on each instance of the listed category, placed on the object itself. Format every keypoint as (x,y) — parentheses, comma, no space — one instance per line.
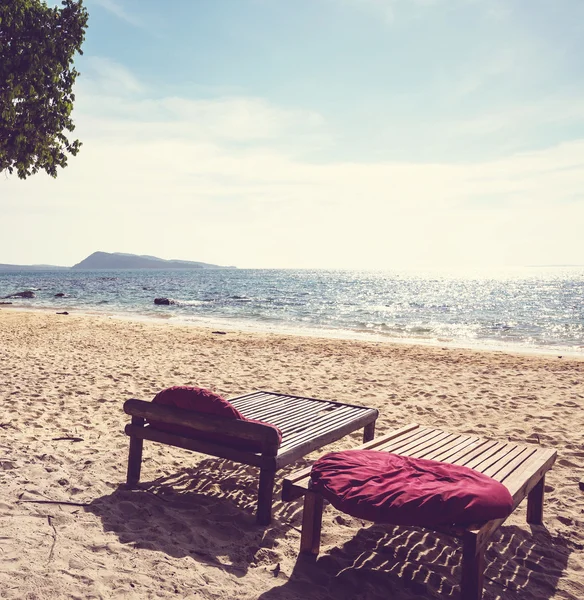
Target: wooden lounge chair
(520,468)
(306,424)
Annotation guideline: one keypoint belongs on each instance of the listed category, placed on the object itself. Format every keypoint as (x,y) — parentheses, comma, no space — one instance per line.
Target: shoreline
(255,327)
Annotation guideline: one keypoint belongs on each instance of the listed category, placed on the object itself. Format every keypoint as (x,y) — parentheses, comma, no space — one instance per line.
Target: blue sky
(319,133)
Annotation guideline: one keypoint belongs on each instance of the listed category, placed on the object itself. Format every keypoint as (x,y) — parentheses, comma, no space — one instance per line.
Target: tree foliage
(37,46)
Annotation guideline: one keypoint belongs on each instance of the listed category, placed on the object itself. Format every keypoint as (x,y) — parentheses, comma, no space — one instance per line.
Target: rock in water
(165,301)
(25,294)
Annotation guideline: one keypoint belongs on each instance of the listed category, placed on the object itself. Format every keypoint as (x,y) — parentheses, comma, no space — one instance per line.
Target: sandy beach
(189,531)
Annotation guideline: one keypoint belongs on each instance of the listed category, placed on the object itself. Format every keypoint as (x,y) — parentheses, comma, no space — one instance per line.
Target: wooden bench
(520,468)
(306,424)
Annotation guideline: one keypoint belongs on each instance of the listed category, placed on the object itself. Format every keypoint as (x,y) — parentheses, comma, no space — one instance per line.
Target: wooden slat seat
(519,467)
(306,424)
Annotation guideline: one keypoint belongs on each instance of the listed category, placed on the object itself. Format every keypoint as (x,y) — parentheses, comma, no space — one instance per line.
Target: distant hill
(119,260)
(4,267)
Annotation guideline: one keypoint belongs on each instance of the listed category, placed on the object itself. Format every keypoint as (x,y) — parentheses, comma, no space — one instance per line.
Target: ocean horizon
(533,309)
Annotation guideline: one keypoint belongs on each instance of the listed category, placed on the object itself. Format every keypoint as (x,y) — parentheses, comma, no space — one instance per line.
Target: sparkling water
(537,308)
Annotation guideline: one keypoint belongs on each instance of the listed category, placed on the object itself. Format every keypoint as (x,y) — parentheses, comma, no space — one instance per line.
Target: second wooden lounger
(520,468)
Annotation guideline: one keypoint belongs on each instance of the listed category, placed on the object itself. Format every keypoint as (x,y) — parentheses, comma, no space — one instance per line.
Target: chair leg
(535,503)
(368,432)
(265,496)
(135,455)
(311,524)
(473,566)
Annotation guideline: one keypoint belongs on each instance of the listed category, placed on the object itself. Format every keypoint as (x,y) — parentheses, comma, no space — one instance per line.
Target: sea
(536,309)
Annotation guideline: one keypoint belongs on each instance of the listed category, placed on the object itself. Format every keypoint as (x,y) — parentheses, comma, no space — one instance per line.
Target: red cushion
(388,488)
(208,402)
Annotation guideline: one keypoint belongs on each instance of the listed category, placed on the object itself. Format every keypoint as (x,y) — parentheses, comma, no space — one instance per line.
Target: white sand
(190,532)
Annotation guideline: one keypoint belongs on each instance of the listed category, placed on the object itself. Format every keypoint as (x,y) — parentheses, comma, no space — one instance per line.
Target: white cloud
(389,10)
(477,73)
(552,110)
(224,181)
(110,101)
(117,9)
(240,119)
(252,207)
(104,77)
(383,8)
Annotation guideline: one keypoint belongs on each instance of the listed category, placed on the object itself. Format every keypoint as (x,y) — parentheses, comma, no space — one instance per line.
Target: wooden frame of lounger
(306,423)
(520,468)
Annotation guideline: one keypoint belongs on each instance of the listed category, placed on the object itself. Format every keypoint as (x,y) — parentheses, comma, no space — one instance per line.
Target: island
(5,267)
(118,260)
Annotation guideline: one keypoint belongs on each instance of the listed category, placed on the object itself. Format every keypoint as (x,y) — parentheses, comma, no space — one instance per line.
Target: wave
(544,310)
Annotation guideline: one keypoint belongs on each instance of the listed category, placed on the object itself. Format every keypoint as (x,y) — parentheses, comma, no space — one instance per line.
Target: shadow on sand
(206,512)
(386,562)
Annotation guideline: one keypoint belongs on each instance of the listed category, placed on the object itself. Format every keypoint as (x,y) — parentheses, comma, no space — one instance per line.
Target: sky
(358,134)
